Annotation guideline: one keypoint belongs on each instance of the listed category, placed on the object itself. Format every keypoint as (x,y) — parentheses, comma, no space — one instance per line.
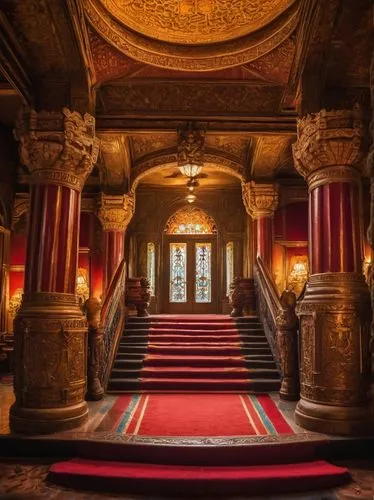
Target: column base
(47,421)
(328,419)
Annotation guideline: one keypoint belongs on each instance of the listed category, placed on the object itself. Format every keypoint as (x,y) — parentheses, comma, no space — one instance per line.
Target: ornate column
(59,150)
(261,201)
(115,213)
(335,312)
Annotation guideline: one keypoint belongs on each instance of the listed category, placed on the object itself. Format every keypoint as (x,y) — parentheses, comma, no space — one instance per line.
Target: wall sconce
(82,288)
(298,275)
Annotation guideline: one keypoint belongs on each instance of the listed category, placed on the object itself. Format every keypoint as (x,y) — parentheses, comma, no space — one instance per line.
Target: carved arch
(168,158)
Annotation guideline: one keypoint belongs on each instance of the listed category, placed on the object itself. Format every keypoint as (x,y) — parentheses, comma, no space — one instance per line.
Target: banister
(280,323)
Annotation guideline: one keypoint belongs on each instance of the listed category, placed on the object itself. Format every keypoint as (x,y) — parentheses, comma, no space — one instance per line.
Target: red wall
(291,222)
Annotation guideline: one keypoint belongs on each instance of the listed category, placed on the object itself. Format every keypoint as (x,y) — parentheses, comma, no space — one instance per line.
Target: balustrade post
(287,344)
(242,296)
(95,390)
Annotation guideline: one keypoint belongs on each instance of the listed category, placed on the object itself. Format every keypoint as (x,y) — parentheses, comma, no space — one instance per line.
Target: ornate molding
(58,148)
(159,161)
(184,57)
(260,200)
(115,211)
(329,146)
(190,146)
(21,205)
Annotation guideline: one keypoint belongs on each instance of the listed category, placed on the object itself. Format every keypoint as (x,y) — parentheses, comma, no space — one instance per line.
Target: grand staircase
(194,353)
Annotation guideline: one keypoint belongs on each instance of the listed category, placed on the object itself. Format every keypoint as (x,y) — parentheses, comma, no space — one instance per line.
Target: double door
(190,274)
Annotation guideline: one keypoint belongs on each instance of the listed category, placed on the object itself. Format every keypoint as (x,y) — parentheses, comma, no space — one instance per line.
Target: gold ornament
(58,148)
(260,200)
(329,147)
(116,211)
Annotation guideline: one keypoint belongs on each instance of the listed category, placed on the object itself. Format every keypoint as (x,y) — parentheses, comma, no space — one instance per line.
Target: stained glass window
(151,266)
(203,278)
(229,265)
(190,220)
(178,272)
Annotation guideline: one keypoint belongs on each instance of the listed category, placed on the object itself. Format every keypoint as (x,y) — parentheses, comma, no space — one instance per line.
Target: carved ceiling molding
(191,57)
(269,154)
(114,163)
(167,159)
(189,98)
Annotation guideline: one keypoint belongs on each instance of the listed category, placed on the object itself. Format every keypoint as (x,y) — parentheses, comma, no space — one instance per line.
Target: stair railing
(105,327)
(278,317)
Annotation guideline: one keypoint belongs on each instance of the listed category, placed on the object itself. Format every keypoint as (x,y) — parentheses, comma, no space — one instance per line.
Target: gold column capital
(58,147)
(329,146)
(260,200)
(115,211)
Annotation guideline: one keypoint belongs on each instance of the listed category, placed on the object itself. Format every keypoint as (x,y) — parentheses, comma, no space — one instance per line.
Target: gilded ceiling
(191,22)
(191,35)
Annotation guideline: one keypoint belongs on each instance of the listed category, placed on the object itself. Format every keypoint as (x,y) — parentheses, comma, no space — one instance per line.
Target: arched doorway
(190,263)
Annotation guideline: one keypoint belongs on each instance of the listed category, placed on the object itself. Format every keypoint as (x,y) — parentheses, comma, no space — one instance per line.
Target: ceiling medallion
(195,22)
(193,35)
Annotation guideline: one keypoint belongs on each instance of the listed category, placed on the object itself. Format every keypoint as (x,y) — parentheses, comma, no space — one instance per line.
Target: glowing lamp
(190,169)
(191,197)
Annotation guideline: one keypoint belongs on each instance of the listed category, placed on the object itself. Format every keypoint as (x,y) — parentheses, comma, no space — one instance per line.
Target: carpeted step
(191,326)
(155,360)
(186,480)
(195,372)
(187,338)
(193,384)
(224,350)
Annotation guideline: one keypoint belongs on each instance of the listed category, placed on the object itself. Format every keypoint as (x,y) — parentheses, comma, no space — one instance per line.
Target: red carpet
(196,415)
(200,353)
(183,480)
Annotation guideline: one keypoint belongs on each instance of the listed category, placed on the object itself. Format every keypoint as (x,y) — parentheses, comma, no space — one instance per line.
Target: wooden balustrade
(280,323)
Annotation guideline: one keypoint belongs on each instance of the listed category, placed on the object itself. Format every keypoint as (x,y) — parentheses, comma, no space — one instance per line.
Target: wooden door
(190,274)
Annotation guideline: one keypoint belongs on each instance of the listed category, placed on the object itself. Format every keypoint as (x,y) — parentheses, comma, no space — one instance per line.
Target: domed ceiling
(193,35)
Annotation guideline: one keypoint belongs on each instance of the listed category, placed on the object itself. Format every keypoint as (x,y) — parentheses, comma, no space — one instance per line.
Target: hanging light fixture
(190,150)
(191,197)
(192,184)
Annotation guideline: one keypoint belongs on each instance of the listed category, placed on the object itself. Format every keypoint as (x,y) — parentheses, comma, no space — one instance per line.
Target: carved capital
(260,200)
(116,211)
(58,147)
(329,146)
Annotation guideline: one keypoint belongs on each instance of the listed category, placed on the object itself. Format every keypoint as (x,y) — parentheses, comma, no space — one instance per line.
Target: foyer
(186,241)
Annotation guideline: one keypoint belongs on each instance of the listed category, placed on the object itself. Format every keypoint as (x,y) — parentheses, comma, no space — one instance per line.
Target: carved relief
(115,212)
(190,146)
(329,146)
(190,22)
(191,57)
(260,200)
(176,98)
(58,148)
(334,312)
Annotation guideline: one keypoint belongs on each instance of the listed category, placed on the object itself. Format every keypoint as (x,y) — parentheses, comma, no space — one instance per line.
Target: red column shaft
(52,246)
(114,242)
(265,239)
(335,228)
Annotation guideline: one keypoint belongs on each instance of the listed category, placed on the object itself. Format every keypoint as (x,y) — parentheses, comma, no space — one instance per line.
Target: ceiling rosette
(193,35)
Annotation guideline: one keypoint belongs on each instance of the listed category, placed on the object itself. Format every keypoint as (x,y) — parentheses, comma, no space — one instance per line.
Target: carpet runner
(195,415)
(207,353)
(189,480)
